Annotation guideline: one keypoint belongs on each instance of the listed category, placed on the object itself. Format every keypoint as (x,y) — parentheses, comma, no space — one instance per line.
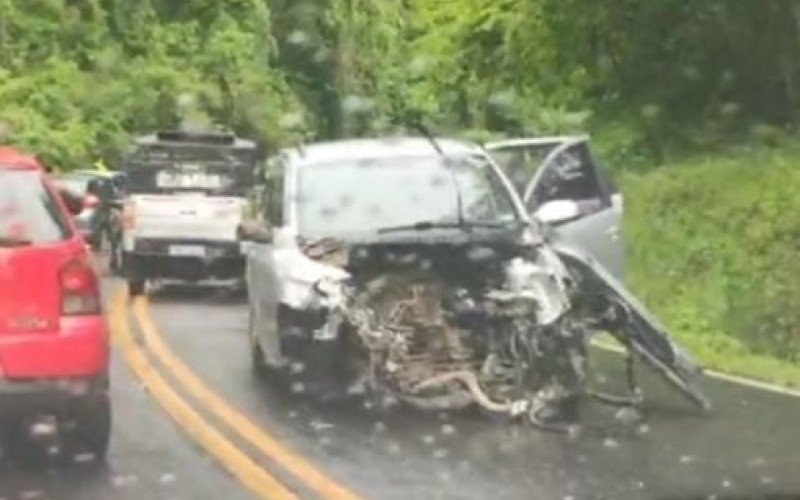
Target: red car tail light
(90,201)
(80,293)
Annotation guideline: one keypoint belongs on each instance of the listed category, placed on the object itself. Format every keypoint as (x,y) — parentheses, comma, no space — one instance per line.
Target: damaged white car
(407,269)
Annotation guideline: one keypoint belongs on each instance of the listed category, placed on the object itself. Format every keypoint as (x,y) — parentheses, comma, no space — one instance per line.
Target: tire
(91,427)
(115,258)
(136,287)
(257,361)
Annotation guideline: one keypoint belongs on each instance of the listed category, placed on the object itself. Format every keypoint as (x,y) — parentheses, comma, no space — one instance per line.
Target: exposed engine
(454,327)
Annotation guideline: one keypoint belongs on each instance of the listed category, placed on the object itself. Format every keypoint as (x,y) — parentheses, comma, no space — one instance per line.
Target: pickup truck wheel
(136,287)
(258,362)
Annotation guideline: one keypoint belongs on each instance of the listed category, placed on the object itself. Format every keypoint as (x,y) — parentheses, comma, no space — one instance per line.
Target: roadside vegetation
(694,105)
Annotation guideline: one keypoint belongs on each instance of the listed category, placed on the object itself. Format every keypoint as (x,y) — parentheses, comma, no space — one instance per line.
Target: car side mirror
(558,211)
(254,231)
(73,202)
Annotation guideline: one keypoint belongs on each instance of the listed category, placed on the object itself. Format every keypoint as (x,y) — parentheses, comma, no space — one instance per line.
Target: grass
(714,251)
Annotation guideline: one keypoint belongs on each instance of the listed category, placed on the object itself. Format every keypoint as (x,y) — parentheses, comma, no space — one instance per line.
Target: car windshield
(213,171)
(28,212)
(351,197)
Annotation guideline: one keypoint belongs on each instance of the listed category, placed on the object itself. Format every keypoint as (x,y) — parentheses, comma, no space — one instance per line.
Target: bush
(714,247)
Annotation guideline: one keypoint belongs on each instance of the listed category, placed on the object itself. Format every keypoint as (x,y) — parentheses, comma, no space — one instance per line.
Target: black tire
(136,287)
(20,448)
(90,428)
(115,258)
(258,362)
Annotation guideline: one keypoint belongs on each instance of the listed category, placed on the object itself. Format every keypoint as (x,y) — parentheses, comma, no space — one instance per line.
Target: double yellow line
(255,478)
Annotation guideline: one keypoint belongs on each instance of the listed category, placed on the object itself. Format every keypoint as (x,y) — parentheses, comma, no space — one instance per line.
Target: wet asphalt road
(748,447)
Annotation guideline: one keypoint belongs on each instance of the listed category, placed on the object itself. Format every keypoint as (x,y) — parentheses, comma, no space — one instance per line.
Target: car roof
(10,158)
(152,139)
(354,149)
(535,141)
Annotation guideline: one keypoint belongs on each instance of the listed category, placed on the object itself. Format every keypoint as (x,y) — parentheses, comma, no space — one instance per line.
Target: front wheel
(258,362)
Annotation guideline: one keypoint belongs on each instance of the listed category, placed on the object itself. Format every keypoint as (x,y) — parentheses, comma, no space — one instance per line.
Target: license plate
(187,250)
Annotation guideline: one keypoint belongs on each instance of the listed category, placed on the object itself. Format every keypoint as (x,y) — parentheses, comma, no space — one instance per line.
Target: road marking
(734,379)
(235,420)
(253,477)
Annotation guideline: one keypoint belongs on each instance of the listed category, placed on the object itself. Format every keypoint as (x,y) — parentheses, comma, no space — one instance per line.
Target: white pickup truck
(188,196)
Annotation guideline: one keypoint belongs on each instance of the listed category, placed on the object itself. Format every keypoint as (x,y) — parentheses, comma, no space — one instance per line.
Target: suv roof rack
(220,138)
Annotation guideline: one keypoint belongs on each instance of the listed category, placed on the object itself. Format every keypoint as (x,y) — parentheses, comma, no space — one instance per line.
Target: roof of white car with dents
(355,149)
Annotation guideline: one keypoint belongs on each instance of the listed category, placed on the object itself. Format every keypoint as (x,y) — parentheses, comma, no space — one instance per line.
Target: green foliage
(714,245)
(77,79)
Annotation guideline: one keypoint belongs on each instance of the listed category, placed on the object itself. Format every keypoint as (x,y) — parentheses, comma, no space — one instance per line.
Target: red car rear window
(29,215)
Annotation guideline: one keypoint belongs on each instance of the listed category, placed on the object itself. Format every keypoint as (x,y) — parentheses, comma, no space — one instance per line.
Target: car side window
(572,175)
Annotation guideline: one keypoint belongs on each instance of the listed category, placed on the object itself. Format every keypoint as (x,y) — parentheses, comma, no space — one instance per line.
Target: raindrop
(84,458)
(379,427)
(122,481)
(628,415)
(428,439)
(167,478)
(292,414)
(445,476)
(30,494)
(569,497)
(448,429)
(325,441)
(643,430)
(297,367)
(53,451)
(610,442)
(726,484)
(319,425)
(686,459)
(766,480)
(443,415)
(368,405)
(393,448)
(298,387)
(756,462)
(639,485)
(440,453)
(574,431)
(298,37)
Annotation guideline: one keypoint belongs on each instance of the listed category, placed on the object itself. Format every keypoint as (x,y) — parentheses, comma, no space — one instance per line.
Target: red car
(54,350)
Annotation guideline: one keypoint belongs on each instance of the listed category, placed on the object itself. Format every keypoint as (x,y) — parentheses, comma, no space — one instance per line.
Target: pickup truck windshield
(29,214)
(353,197)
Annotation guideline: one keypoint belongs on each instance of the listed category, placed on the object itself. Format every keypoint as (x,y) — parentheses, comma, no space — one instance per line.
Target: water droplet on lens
(83,458)
(440,453)
(428,439)
(448,429)
(379,427)
(610,443)
(574,431)
(298,387)
(393,448)
(167,478)
(686,459)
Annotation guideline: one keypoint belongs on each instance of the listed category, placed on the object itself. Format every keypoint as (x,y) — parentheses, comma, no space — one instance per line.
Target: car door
(263,279)
(570,172)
